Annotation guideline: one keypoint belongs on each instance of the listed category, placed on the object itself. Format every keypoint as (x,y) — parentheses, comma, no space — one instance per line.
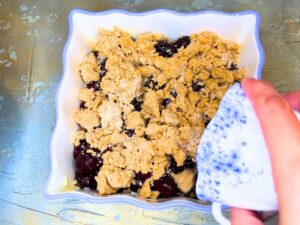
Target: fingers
(244,217)
(293,99)
(281,131)
(280,126)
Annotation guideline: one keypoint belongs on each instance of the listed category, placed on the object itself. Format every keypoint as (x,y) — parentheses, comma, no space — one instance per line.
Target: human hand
(281,131)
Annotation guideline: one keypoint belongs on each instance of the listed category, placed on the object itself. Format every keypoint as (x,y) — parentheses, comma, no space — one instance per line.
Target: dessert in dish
(145,103)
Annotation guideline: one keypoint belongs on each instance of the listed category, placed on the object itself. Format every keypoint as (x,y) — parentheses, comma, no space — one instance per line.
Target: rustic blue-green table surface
(32,36)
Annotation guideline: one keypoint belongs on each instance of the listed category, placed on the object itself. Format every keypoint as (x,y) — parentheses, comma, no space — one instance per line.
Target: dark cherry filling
(96,54)
(137,103)
(88,164)
(82,147)
(146,137)
(82,105)
(188,164)
(165,102)
(197,85)
(166,186)
(103,70)
(162,86)
(85,180)
(206,120)
(165,49)
(168,49)
(233,67)
(139,180)
(129,132)
(151,83)
(173,93)
(95,85)
(123,121)
(147,121)
(183,41)
(101,63)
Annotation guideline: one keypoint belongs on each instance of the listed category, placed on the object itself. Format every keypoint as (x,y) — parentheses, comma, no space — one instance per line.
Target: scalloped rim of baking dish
(127,198)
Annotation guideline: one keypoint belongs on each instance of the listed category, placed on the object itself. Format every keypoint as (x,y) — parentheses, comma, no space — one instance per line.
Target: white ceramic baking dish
(241,27)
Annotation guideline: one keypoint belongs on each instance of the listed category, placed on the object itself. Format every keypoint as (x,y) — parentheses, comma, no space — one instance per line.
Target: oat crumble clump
(145,106)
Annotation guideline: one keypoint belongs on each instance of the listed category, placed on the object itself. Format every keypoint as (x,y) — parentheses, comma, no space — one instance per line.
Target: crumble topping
(145,105)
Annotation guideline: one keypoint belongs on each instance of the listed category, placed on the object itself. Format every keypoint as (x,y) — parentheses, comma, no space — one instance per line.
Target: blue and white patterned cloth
(232,159)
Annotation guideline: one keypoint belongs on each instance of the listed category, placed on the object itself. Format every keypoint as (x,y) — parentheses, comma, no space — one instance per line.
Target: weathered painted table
(32,35)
